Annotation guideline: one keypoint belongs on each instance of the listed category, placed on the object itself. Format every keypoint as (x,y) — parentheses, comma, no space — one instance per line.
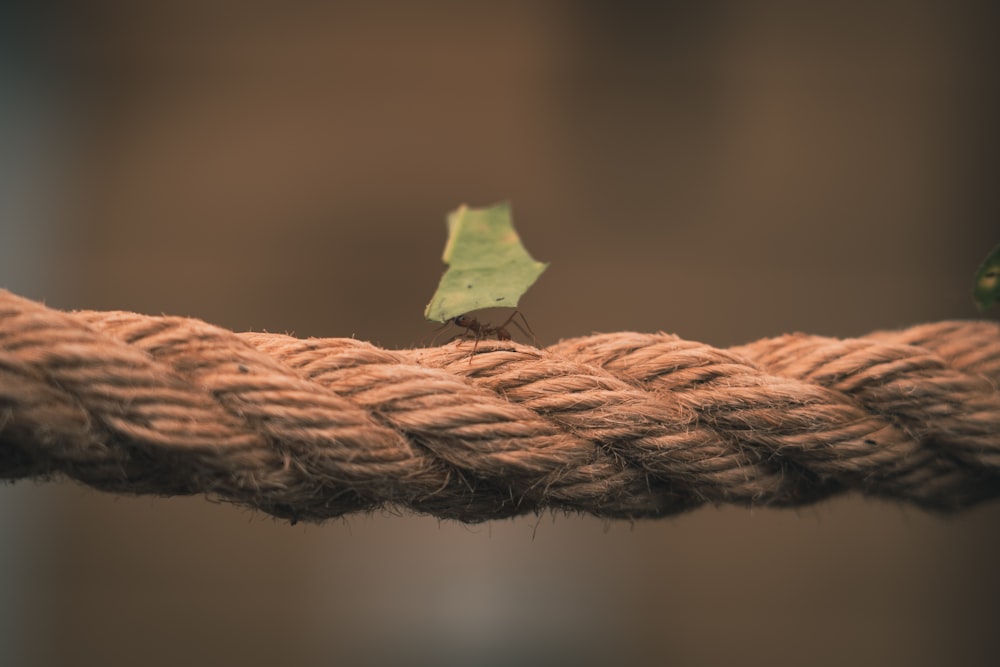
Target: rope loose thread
(620,425)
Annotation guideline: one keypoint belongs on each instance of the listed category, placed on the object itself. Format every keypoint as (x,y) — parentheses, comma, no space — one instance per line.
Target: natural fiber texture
(617,425)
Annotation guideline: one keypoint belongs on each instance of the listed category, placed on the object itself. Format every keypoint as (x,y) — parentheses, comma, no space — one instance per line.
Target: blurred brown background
(723,170)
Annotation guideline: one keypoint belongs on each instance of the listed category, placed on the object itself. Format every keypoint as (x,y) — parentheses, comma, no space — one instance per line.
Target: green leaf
(487,265)
(987,289)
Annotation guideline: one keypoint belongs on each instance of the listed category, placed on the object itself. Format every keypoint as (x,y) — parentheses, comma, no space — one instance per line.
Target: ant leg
(526,329)
(508,320)
(501,331)
(437,334)
(475,344)
(467,332)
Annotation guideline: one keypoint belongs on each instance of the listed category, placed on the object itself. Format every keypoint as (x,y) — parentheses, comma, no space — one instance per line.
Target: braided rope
(617,425)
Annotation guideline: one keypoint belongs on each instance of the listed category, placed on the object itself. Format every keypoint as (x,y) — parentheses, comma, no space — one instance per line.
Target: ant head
(463,321)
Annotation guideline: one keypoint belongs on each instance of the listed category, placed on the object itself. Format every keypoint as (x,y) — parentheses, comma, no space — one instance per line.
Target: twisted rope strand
(617,425)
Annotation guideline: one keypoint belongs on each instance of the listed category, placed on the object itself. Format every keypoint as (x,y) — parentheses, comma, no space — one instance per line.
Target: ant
(480,331)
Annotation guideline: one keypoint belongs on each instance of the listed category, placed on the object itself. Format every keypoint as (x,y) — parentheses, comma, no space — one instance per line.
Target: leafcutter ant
(479,331)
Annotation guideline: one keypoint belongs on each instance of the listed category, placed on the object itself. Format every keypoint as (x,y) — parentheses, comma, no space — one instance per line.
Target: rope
(617,425)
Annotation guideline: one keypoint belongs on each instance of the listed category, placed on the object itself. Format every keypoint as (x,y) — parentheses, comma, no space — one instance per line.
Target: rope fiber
(621,425)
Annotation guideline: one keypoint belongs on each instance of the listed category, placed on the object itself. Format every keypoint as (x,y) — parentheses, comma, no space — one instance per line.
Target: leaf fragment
(488,266)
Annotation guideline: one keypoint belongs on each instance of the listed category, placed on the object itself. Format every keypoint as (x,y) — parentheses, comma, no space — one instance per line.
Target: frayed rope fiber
(617,425)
